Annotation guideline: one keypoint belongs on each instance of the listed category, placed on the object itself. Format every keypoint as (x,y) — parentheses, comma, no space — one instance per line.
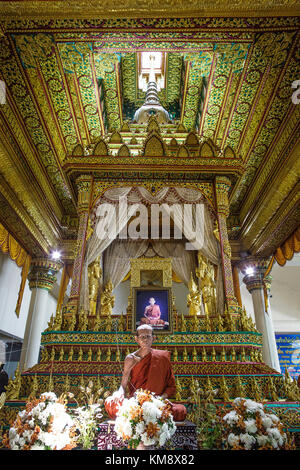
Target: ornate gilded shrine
(220,350)
(67,133)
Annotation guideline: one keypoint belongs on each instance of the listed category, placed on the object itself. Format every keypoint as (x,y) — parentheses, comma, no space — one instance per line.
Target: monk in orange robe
(152,312)
(149,369)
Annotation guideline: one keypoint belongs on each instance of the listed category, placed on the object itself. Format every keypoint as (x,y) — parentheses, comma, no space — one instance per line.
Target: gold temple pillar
(84,185)
(236,285)
(222,187)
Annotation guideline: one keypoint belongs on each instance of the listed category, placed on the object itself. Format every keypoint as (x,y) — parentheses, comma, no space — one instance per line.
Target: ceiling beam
(131,9)
(271,209)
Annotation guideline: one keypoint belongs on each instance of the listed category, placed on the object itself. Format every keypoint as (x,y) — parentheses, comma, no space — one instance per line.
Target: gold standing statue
(205,272)
(194,298)
(211,287)
(202,262)
(94,274)
(107,300)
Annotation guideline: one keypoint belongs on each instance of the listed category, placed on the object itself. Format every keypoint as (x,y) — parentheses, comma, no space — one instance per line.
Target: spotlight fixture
(249,271)
(56,255)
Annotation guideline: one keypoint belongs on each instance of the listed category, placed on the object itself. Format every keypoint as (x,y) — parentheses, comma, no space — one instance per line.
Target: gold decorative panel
(149,264)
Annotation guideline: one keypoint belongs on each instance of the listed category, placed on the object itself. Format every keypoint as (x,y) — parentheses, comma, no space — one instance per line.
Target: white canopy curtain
(96,245)
(116,259)
(208,246)
(182,264)
(183,261)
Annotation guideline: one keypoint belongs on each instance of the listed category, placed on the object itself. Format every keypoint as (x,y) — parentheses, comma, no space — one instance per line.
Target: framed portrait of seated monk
(152,306)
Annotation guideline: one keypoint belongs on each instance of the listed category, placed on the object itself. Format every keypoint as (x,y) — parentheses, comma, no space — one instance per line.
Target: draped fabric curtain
(65,278)
(286,251)
(141,194)
(116,259)
(22,259)
(24,274)
(197,219)
(183,262)
(98,244)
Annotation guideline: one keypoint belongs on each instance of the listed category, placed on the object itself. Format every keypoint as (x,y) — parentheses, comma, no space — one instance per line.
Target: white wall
(285,300)
(180,292)
(10,278)
(285,296)
(51,308)
(121,293)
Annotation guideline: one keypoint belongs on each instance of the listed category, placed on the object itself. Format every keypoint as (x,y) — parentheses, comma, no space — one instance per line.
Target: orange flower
(258,421)
(32,404)
(50,423)
(240,408)
(73,431)
(34,437)
(168,407)
(144,396)
(18,425)
(5,441)
(241,422)
(267,446)
(69,446)
(152,429)
(166,412)
(237,447)
(136,413)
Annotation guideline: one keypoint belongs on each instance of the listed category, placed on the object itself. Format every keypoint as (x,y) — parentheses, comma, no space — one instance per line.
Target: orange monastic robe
(152,312)
(154,373)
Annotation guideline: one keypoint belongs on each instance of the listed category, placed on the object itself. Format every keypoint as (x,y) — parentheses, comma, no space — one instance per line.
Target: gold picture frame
(158,314)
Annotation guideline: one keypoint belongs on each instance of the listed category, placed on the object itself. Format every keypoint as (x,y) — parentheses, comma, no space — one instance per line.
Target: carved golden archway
(205,188)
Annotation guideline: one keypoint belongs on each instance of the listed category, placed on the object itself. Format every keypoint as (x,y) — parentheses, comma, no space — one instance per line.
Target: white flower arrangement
(86,419)
(88,416)
(44,425)
(249,427)
(47,424)
(145,418)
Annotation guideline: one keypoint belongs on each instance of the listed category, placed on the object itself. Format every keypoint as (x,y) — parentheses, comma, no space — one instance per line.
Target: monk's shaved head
(144,327)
